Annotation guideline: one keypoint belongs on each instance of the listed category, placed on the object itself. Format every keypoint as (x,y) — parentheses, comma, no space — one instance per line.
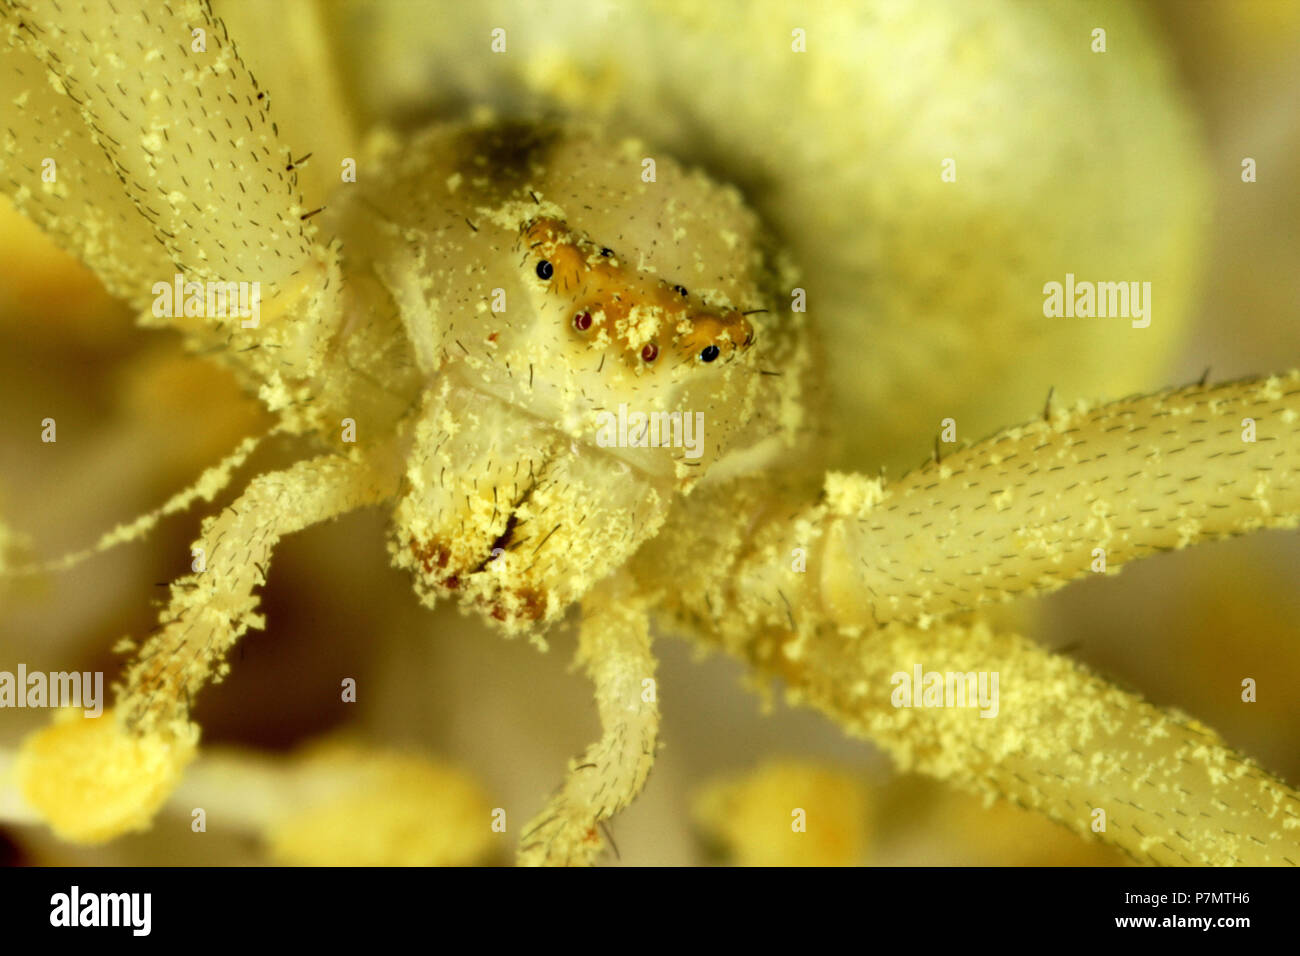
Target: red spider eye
(582,321)
(650,352)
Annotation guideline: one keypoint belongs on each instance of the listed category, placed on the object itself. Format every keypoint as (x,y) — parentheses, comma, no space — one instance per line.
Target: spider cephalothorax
(531,329)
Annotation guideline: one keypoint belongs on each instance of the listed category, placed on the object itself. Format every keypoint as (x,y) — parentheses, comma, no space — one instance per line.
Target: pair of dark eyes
(545,270)
(707,354)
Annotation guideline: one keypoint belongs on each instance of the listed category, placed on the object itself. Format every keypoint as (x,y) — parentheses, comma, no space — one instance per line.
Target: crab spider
(491,289)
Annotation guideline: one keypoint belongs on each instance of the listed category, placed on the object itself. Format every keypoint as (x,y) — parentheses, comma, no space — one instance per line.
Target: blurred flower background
(1128,162)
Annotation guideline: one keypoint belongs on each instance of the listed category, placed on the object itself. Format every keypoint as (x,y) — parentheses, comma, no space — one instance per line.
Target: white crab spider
(477,425)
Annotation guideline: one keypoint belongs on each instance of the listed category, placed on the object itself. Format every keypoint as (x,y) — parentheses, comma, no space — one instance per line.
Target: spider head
(621,355)
(595,346)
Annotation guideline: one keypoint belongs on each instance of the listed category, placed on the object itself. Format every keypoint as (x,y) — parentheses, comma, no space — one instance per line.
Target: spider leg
(840,597)
(212,481)
(285,44)
(1061,741)
(84,208)
(197,183)
(210,609)
(96,778)
(1037,506)
(1022,512)
(1058,739)
(614,649)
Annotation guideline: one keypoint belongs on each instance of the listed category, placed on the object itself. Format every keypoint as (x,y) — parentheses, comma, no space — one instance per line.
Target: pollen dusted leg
(211,608)
(1065,743)
(891,567)
(614,649)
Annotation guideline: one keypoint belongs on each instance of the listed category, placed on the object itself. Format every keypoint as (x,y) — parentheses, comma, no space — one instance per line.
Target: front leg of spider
(614,650)
(891,566)
(96,779)
(138,211)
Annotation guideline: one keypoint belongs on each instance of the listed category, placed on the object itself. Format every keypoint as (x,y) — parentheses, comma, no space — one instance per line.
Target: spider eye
(709,353)
(582,321)
(606,252)
(650,352)
(545,270)
(681,290)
